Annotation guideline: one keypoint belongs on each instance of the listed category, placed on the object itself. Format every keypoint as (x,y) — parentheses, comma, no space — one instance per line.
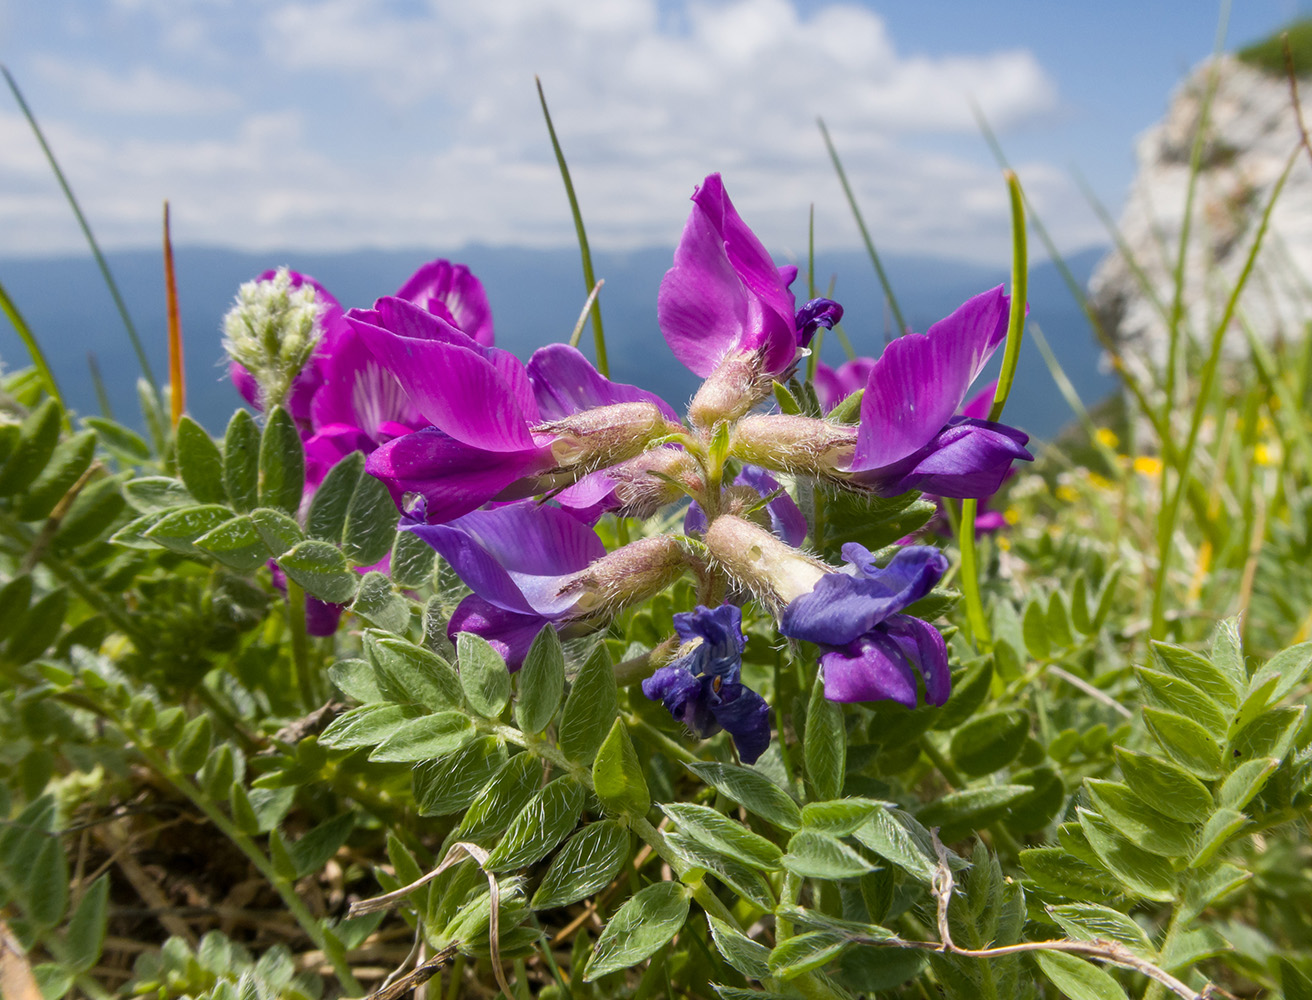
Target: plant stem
(300,642)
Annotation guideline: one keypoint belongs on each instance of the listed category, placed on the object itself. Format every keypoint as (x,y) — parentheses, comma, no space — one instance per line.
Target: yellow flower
(1264,455)
(1067,493)
(1147,465)
(1101,483)
(1011,515)
(1107,437)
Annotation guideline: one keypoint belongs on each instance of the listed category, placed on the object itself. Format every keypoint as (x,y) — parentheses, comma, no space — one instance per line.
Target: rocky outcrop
(1251,133)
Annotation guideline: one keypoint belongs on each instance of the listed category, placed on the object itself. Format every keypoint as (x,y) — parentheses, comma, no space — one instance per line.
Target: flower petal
(969,458)
(870,668)
(509,633)
(451,292)
(920,380)
(745,716)
(357,391)
(564,383)
(786,519)
(684,697)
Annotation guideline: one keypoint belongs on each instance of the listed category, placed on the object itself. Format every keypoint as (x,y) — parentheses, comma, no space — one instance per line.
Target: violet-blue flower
(872,652)
(703,689)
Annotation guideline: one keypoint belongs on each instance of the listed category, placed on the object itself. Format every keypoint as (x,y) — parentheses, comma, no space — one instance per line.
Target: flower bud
(271,331)
(626,576)
(790,443)
(774,571)
(604,435)
(641,494)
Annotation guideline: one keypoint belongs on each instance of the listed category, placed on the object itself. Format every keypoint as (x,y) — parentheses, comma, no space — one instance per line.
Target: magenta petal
(723,293)
(453,477)
(564,383)
(919,381)
(978,405)
(871,668)
(968,459)
(454,382)
(516,556)
(510,634)
(357,391)
(451,292)
(589,498)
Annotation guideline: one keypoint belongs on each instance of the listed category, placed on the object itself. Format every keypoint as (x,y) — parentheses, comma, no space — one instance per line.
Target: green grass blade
(865,233)
(589,276)
(33,348)
(86,229)
(102,397)
(818,340)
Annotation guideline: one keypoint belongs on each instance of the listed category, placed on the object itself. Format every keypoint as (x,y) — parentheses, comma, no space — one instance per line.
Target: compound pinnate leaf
(639,928)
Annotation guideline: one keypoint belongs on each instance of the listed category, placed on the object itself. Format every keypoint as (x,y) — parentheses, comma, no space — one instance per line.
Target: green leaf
(312,852)
(1091,921)
(888,834)
(194,746)
(989,742)
(1137,822)
(53,981)
(502,798)
(94,512)
(813,854)
(1223,825)
(825,745)
(1059,622)
(803,952)
(1199,671)
(1181,696)
(355,679)
(839,817)
(590,709)
(1245,781)
(366,726)
(37,437)
(1227,655)
(243,814)
(412,560)
(1211,885)
(280,532)
(151,494)
(85,938)
(282,462)
(46,885)
(1171,790)
(969,689)
(1289,667)
(70,460)
(199,462)
(1193,946)
(14,599)
(483,675)
(270,805)
(241,461)
(719,832)
(588,863)
(752,790)
(40,628)
(371,519)
(1046,799)
(1145,874)
(1191,745)
(327,514)
(617,775)
(1271,734)
(958,813)
(236,543)
(425,738)
(178,530)
(449,783)
(1076,978)
(125,443)
(1035,629)
(543,823)
(412,674)
(320,568)
(1055,870)
(749,957)
(541,682)
(639,928)
(379,604)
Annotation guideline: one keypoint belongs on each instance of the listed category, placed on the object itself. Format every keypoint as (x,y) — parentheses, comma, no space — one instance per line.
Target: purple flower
(870,651)
(833,385)
(909,437)
(702,688)
(725,307)
(530,565)
(452,293)
(786,518)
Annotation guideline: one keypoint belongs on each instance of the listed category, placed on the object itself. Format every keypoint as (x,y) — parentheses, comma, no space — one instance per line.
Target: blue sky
(290,124)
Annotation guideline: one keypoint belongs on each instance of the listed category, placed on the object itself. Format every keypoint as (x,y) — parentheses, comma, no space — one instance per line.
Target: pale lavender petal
(590,497)
(564,383)
(920,380)
(509,633)
(450,378)
(786,519)
(453,293)
(453,477)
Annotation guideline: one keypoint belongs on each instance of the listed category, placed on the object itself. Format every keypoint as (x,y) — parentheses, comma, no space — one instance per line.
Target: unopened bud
(774,571)
(604,435)
(645,484)
(271,331)
(790,443)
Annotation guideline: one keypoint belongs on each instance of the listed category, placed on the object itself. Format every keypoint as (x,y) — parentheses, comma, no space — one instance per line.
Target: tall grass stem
(33,348)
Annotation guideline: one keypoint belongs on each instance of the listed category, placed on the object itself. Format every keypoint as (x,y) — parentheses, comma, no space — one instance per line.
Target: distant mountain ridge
(536,296)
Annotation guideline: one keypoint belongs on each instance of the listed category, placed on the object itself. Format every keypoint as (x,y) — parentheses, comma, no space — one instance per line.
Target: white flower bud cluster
(271,331)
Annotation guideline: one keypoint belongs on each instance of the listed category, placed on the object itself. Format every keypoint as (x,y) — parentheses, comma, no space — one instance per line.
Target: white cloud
(449,147)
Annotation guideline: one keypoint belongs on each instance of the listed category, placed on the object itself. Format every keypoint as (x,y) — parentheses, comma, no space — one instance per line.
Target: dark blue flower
(870,651)
(815,314)
(702,688)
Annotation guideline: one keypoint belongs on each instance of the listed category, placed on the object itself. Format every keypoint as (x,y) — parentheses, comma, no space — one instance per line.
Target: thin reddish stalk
(177,372)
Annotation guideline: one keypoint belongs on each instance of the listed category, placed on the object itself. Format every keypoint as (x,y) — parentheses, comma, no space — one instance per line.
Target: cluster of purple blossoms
(505,467)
